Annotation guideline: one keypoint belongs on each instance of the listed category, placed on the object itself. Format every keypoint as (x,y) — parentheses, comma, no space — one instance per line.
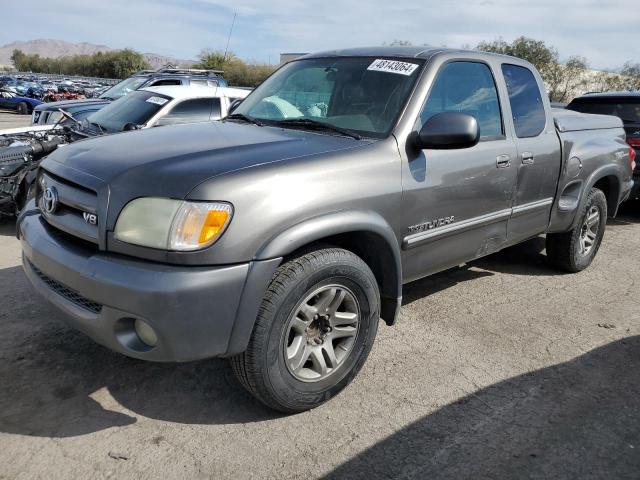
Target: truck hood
(171,161)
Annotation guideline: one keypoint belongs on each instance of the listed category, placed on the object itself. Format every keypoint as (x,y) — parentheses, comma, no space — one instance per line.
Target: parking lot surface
(503,368)
(13,120)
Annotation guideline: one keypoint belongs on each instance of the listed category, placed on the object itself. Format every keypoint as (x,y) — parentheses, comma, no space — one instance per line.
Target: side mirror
(130,126)
(234,104)
(448,130)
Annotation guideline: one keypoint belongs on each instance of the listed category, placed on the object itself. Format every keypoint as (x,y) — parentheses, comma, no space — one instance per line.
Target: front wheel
(574,251)
(314,331)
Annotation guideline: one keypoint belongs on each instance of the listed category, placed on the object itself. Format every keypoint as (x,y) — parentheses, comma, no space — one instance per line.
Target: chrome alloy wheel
(589,231)
(321,333)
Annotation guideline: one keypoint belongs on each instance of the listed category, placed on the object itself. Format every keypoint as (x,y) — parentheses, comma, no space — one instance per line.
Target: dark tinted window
(526,101)
(166,82)
(190,111)
(628,109)
(137,108)
(216,112)
(466,87)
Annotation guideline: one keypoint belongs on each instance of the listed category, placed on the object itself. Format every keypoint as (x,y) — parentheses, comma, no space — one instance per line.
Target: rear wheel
(314,331)
(22,108)
(574,251)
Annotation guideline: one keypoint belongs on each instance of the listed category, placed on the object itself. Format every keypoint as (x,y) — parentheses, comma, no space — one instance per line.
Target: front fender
(327,225)
(374,239)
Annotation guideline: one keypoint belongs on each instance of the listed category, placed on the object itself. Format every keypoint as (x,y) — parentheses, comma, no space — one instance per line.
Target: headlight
(172,224)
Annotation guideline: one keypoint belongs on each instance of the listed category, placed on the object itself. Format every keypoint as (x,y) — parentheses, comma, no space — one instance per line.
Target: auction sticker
(393,66)
(157,100)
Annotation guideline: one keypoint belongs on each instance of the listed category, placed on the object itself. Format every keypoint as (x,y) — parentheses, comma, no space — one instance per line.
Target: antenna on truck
(226,50)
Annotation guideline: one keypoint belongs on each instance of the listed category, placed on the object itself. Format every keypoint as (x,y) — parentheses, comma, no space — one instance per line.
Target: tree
(565,81)
(631,73)
(534,51)
(236,71)
(113,64)
(18,57)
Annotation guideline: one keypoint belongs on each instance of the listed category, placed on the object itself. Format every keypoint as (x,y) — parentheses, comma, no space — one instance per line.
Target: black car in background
(626,106)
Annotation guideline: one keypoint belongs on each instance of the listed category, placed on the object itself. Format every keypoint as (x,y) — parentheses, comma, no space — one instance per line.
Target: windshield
(628,109)
(124,87)
(136,108)
(364,95)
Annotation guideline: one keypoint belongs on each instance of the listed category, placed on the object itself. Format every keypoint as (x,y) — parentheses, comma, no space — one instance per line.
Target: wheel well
(378,255)
(611,189)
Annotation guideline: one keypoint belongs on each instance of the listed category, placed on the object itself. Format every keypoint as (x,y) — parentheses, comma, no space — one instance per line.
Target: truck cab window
(527,108)
(466,87)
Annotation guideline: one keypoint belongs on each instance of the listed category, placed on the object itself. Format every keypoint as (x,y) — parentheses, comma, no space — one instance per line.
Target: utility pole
(229,37)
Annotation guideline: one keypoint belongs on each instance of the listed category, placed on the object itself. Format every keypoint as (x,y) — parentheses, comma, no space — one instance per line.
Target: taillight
(634,142)
(632,158)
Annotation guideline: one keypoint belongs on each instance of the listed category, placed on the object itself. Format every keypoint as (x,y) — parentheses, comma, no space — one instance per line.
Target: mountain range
(59,48)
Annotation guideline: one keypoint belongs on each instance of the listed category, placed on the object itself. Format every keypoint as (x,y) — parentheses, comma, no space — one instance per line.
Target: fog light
(145,333)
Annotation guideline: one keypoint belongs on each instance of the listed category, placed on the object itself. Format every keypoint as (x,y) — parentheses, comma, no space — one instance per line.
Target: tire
(573,251)
(276,367)
(22,108)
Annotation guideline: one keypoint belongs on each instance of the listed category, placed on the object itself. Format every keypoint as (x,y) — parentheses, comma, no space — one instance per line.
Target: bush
(112,64)
(236,71)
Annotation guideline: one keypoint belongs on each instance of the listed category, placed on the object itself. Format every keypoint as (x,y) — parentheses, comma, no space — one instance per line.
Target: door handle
(527,158)
(503,161)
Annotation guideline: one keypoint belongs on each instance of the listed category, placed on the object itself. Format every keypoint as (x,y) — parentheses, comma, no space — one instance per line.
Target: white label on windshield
(157,100)
(393,66)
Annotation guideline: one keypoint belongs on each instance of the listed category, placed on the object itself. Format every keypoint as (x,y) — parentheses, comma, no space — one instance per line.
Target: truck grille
(68,207)
(66,292)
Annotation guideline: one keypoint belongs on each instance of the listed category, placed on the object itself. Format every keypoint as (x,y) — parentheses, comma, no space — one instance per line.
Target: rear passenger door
(538,161)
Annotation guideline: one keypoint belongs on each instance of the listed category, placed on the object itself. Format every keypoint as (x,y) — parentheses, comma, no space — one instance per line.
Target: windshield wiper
(97,125)
(316,125)
(246,118)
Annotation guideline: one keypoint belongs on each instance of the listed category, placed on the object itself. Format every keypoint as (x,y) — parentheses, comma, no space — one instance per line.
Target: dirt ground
(503,368)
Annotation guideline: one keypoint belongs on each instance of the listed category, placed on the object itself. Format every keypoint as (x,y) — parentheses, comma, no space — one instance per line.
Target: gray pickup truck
(280,236)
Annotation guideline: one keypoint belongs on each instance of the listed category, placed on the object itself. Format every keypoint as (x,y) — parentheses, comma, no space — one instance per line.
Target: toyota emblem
(50,199)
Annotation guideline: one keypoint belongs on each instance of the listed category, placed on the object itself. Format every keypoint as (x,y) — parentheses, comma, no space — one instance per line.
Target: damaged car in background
(22,149)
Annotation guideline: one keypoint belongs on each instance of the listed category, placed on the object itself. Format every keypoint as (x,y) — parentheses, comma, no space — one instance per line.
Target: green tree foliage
(564,79)
(236,71)
(112,64)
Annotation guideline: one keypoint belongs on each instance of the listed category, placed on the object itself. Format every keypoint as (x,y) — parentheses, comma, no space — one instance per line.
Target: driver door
(457,202)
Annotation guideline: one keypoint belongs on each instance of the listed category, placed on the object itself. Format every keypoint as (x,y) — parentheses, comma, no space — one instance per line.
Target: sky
(606,32)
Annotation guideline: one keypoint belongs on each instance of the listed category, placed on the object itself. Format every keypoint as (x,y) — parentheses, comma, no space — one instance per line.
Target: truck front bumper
(195,312)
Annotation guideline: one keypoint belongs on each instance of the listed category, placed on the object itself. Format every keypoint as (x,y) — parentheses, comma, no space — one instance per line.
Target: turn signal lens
(169,224)
(197,225)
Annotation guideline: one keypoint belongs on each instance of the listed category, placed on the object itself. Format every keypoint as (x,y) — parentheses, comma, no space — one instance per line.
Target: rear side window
(166,82)
(192,111)
(466,87)
(216,111)
(527,108)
